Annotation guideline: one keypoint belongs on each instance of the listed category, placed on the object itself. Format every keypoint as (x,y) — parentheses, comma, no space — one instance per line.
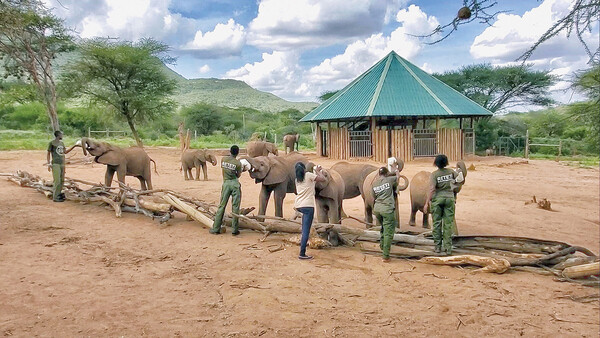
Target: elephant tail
(151,160)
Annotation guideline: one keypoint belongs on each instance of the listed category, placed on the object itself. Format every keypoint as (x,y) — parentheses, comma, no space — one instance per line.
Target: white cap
(245,164)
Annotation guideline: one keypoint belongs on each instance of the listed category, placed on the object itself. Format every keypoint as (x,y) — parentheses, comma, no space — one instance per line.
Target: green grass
(36,140)
(583,161)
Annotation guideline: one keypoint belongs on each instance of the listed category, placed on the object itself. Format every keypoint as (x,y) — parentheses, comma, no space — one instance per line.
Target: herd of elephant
(276,174)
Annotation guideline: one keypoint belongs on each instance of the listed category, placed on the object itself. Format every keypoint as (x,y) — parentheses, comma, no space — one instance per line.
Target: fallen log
(488,264)
(575,261)
(583,270)
(149,205)
(188,210)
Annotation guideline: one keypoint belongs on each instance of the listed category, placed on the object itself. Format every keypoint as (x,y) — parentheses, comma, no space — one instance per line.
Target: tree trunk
(133,131)
(51,110)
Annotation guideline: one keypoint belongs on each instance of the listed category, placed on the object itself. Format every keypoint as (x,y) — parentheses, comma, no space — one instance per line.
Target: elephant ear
(330,190)
(201,155)
(110,157)
(277,172)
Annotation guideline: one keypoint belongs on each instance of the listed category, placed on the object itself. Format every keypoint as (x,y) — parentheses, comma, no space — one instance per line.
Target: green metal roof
(395,87)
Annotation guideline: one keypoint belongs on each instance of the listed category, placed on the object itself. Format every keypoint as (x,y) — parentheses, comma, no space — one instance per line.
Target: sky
(298,49)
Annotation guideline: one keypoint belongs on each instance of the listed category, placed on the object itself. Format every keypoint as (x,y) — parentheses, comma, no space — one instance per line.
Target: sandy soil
(76,270)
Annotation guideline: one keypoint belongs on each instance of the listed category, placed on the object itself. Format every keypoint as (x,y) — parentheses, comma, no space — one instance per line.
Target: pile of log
(491,253)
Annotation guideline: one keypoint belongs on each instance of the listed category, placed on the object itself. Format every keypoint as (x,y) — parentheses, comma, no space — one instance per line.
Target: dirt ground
(75,270)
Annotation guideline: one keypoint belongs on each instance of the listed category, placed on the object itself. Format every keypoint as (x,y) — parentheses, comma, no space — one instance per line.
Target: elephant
(132,161)
(353,175)
(419,187)
(290,140)
(276,173)
(329,195)
(196,158)
(369,197)
(261,148)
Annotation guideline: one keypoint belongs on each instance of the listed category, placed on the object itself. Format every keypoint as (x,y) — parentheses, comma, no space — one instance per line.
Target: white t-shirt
(306,191)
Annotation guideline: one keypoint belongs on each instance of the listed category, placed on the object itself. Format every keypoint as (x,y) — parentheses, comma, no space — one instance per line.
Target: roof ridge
(382,78)
(345,89)
(427,89)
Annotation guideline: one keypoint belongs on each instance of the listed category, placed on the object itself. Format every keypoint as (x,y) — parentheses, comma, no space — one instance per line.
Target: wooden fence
(450,142)
(338,143)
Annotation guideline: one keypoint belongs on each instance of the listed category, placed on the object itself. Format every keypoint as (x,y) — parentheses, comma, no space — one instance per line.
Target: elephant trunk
(84,143)
(403,186)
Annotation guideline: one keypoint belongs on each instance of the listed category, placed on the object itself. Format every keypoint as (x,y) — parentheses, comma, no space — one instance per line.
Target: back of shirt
(442,180)
(231,167)
(383,189)
(57,149)
(305,191)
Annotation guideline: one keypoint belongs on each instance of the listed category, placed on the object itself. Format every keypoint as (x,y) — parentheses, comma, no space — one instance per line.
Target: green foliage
(499,88)
(203,118)
(24,117)
(126,76)
(326,95)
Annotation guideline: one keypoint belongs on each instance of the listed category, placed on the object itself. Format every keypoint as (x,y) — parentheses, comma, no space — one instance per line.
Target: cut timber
(488,264)
(149,205)
(396,251)
(582,270)
(575,261)
(188,210)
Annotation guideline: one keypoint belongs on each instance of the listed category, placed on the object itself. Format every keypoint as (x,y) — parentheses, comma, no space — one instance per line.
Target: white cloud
(286,24)
(415,21)
(225,40)
(204,69)
(277,73)
(511,35)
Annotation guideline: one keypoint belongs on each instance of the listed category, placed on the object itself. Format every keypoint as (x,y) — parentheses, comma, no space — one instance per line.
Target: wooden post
(437,135)
(559,147)
(527,144)
(107,133)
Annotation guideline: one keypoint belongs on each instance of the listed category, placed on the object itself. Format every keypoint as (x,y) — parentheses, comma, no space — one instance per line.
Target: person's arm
(48,155)
(429,194)
(238,170)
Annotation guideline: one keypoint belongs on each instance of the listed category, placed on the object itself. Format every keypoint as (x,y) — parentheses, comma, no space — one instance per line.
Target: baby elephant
(196,158)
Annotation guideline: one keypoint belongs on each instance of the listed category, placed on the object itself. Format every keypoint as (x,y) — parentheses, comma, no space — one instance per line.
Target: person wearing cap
(441,199)
(384,187)
(56,150)
(232,170)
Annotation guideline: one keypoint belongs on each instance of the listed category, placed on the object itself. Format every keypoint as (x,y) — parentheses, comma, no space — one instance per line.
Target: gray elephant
(329,195)
(196,158)
(354,175)
(369,197)
(419,187)
(276,173)
(132,161)
(290,141)
(261,148)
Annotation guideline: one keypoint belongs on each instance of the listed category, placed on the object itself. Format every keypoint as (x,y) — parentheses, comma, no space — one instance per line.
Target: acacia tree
(500,88)
(588,83)
(126,76)
(581,18)
(30,39)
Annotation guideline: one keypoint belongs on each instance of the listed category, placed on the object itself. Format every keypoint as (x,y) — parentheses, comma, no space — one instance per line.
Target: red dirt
(76,270)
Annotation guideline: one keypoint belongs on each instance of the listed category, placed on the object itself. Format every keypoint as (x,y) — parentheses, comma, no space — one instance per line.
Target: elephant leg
(426,220)
(322,212)
(204,170)
(368,213)
(121,172)
(263,200)
(197,172)
(142,182)
(413,215)
(334,212)
(185,173)
(108,177)
(280,192)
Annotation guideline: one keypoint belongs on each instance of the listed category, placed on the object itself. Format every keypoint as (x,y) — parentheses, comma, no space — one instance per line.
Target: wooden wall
(338,146)
(318,138)
(402,144)
(450,143)
(379,139)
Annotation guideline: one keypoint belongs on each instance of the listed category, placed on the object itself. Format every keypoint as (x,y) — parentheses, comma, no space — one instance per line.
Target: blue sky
(297,49)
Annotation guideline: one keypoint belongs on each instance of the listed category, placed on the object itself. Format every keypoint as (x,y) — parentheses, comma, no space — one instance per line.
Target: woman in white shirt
(305,201)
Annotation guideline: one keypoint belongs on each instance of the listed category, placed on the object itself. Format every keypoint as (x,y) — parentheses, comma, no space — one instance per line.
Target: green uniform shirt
(442,180)
(57,148)
(232,168)
(383,188)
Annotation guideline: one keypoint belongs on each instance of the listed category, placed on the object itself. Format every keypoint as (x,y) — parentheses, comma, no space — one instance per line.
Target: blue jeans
(307,218)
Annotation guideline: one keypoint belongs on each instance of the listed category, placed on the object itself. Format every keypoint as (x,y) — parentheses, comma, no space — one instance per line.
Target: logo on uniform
(445,178)
(60,150)
(381,188)
(227,165)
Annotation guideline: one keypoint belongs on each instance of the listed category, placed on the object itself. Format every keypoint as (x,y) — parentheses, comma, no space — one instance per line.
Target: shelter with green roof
(389,111)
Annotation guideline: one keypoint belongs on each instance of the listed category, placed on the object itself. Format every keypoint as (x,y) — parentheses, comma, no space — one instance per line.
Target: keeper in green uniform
(384,187)
(232,169)
(442,199)
(56,150)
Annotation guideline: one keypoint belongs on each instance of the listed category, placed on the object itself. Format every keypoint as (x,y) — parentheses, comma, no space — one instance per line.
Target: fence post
(89,132)
(195,135)
(107,133)
(527,144)
(559,147)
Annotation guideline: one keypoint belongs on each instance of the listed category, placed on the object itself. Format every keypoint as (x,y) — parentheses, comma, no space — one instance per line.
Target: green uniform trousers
(442,210)
(388,227)
(58,175)
(230,188)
